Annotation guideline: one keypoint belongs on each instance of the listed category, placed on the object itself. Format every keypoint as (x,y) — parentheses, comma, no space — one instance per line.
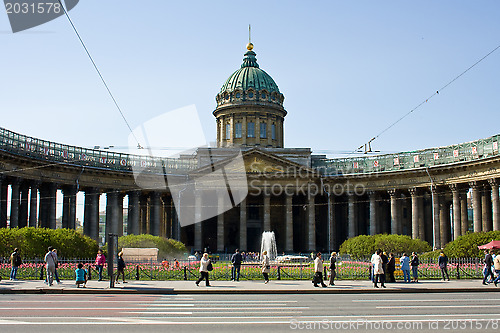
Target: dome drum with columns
(250,108)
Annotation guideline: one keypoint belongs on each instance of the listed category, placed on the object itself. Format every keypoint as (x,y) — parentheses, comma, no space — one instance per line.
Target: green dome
(250,76)
(250,85)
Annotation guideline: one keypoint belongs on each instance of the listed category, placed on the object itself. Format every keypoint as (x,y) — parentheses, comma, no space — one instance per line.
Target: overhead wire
(99,73)
(427,99)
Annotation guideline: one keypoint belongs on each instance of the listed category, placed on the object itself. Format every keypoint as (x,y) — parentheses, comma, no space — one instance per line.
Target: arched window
(228,131)
(263,130)
(273,131)
(237,130)
(251,129)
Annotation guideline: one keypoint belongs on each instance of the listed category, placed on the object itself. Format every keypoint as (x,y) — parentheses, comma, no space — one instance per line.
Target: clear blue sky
(348,69)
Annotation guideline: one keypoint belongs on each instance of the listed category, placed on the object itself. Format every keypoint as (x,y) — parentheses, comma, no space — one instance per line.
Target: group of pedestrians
(491,263)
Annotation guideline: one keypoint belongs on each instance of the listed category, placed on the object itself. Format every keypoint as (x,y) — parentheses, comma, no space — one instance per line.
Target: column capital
(392,192)
(414,191)
(493,182)
(372,193)
(474,185)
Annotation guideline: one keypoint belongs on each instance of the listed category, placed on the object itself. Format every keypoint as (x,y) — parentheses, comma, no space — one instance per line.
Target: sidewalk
(243,287)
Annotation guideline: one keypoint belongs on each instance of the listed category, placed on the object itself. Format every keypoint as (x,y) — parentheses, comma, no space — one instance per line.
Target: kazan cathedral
(310,202)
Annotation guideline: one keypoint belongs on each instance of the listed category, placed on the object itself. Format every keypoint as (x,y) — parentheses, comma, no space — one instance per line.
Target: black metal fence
(301,269)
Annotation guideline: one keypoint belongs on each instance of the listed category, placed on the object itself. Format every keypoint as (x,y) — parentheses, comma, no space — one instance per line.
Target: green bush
(33,242)
(466,245)
(364,245)
(167,247)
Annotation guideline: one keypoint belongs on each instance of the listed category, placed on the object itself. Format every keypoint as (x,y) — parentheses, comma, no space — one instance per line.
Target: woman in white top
(378,269)
(318,271)
(266,266)
(204,270)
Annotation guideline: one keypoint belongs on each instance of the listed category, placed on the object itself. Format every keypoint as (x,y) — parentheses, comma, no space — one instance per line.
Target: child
(81,276)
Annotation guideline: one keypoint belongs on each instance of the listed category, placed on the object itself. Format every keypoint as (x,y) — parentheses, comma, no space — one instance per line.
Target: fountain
(268,244)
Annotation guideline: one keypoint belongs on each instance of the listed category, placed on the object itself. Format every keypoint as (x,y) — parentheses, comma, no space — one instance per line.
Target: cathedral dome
(249,85)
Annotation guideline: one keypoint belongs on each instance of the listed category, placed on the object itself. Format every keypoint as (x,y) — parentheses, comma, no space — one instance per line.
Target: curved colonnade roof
(38,149)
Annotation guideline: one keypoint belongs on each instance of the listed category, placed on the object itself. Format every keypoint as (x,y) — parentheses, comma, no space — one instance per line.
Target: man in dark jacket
(15,262)
(488,262)
(391,267)
(385,261)
(236,259)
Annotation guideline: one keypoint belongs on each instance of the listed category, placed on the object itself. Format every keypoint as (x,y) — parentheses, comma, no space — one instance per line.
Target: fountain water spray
(268,244)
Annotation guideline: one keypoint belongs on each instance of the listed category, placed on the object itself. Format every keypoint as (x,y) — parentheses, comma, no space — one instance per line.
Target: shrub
(166,247)
(33,242)
(466,245)
(364,245)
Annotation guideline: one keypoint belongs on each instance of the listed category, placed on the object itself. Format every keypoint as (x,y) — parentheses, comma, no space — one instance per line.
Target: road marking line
(235,312)
(436,306)
(423,300)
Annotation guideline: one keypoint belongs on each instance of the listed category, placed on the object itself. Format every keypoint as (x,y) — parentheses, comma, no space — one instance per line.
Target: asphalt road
(454,312)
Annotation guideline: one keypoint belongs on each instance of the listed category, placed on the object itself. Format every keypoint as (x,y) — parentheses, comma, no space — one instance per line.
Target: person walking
(391,268)
(204,262)
(488,262)
(378,269)
(50,261)
(414,266)
(120,267)
(404,262)
(100,260)
(236,259)
(443,265)
(266,267)
(15,262)
(496,264)
(56,276)
(333,272)
(318,271)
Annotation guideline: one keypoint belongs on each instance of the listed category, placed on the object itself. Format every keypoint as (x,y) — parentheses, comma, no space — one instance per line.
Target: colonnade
(304,222)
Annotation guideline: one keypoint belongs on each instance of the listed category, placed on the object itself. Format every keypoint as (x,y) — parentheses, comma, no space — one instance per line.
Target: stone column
(486,208)
(243,225)
(143,221)
(23,207)
(43,207)
(267,211)
(91,214)
(69,207)
(111,213)
(415,213)
(220,221)
(464,214)
(289,223)
(421,217)
(444,221)
(435,218)
(332,240)
(495,204)
(244,133)
(133,213)
(154,213)
(457,219)
(372,195)
(311,223)
(3,203)
(269,133)
(476,207)
(198,231)
(14,203)
(352,218)
(395,218)
(33,204)
(52,204)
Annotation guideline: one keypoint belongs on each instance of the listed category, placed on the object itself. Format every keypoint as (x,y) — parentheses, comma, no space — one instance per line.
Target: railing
(347,269)
(430,157)
(55,152)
